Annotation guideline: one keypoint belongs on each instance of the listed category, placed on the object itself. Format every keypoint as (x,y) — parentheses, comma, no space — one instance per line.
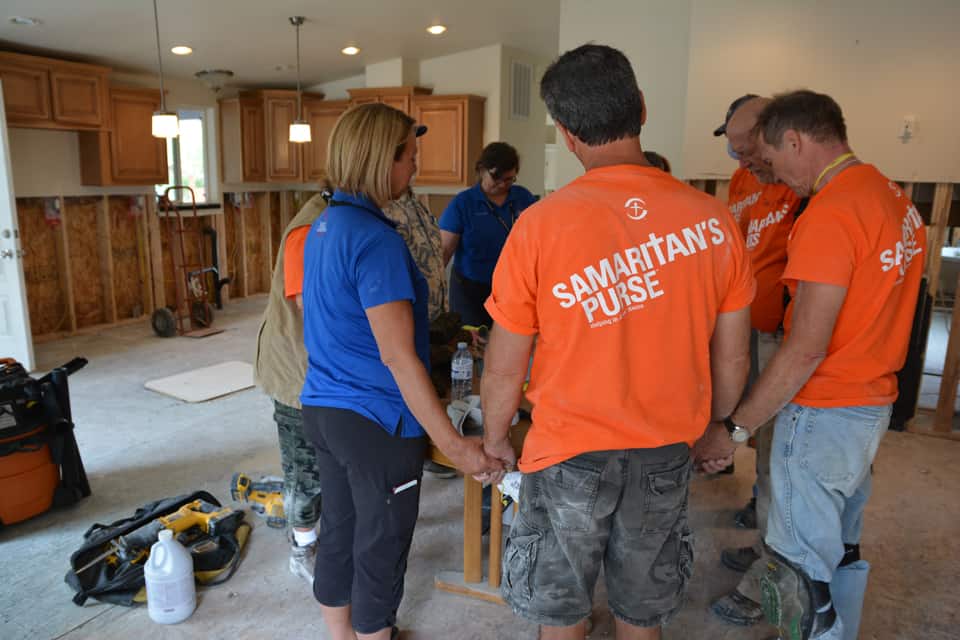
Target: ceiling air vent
(521,77)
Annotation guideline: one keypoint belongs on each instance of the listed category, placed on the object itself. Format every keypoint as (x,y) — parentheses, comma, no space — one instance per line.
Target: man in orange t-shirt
(855,259)
(765,209)
(637,288)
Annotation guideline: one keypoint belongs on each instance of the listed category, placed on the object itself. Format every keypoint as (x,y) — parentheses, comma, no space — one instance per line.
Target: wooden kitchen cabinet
(26,93)
(45,93)
(397,97)
(127,153)
(255,137)
(321,115)
(243,153)
(78,98)
(454,140)
(283,156)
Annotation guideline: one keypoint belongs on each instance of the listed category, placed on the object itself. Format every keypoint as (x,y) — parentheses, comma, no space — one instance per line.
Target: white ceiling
(253,37)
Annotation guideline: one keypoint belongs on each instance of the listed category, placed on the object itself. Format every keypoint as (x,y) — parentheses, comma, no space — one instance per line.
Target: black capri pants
(371,499)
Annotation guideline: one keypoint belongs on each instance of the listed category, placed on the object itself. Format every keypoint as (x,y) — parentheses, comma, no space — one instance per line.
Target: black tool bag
(118,582)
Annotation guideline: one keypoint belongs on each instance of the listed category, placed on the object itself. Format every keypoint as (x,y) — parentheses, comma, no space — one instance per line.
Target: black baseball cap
(421,129)
(736,104)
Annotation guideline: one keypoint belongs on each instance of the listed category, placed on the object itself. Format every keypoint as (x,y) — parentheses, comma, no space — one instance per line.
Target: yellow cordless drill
(264,496)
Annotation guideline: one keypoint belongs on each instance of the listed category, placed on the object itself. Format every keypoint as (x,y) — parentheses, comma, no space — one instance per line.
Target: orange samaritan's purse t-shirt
(863,233)
(293,261)
(621,274)
(765,213)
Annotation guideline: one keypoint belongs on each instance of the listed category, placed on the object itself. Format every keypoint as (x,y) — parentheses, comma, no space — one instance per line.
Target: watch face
(740,435)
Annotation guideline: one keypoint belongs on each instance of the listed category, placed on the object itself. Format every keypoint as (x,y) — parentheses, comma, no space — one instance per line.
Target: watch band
(730,424)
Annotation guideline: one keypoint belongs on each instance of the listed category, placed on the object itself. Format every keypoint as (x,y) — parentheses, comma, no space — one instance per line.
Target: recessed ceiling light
(181,50)
(25,22)
(350,51)
(436,29)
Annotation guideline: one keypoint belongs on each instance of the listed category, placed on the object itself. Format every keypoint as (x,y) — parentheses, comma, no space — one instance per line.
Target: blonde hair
(364,144)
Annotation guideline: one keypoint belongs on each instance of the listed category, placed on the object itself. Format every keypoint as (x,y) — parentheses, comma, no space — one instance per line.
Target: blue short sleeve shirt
(483,228)
(354,260)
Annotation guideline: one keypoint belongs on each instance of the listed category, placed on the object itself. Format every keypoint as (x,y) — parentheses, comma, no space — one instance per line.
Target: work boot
(739,559)
(738,609)
(746,518)
(303,560)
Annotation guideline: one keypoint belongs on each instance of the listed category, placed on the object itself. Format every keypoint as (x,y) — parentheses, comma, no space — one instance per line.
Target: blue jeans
(820,482)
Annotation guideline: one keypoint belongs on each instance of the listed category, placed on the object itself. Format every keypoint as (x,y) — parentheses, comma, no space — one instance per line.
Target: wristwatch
(738,434)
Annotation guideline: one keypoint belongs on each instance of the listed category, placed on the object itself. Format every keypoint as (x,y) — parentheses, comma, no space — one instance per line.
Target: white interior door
(15,339)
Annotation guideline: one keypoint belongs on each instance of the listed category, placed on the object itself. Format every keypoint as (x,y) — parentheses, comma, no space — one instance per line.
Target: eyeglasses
(508,180)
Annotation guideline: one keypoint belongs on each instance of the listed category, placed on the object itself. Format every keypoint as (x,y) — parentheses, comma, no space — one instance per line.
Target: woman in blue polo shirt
(368,402)
(475,226)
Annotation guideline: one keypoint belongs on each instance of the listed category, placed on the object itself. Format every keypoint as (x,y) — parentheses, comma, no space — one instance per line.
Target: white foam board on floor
(206,383)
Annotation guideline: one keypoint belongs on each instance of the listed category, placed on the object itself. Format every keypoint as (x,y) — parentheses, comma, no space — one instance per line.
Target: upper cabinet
(255,129)
(397,97)
(243,156)
(283,156)
(53,94)
(255,137)
(127,153)
(321,115)
(453,141)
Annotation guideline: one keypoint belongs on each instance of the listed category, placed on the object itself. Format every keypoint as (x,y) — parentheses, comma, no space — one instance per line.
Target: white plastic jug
(171,592)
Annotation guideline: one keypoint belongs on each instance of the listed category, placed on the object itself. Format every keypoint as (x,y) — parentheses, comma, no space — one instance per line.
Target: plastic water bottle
(461,373)
(171,592)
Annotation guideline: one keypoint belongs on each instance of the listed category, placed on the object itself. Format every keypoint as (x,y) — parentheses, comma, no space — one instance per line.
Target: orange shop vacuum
(40,465)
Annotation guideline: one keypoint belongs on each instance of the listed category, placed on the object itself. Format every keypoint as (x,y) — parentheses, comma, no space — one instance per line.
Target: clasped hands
(486,462)
(713,452)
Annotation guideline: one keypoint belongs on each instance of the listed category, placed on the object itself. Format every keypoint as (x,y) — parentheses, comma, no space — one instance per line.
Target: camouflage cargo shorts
(301,478)
(625,511)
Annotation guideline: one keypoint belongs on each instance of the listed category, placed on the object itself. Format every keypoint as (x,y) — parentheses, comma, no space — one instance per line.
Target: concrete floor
(138,446)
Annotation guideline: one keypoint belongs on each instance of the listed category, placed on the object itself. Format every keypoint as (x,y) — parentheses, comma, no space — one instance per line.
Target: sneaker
(438,470)
(303,560)
(746,518)
(737,609)
(739,559)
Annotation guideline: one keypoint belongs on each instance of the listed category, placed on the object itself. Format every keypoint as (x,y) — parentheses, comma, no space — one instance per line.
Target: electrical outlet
(908,128)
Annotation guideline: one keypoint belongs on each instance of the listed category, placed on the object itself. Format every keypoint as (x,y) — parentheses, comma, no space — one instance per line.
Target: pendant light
(299,128)
(165,124)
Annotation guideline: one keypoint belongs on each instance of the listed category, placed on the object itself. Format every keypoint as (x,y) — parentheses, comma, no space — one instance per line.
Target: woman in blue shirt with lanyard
(475,226)
(368,403)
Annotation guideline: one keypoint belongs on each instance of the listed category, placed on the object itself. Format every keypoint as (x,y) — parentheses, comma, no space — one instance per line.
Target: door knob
(6,253)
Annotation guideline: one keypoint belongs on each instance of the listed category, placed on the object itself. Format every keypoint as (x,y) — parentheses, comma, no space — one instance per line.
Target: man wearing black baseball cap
(722,129)
(765,210)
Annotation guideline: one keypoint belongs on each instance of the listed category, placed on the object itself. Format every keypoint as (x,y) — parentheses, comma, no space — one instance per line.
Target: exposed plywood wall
(276,226)
(233,226)
(42,267)
(109,258)
(125,217)
(256,246)
(80,218)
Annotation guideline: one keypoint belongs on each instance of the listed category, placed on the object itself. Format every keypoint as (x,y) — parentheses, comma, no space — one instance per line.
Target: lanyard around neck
(493,212)
(833,165)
